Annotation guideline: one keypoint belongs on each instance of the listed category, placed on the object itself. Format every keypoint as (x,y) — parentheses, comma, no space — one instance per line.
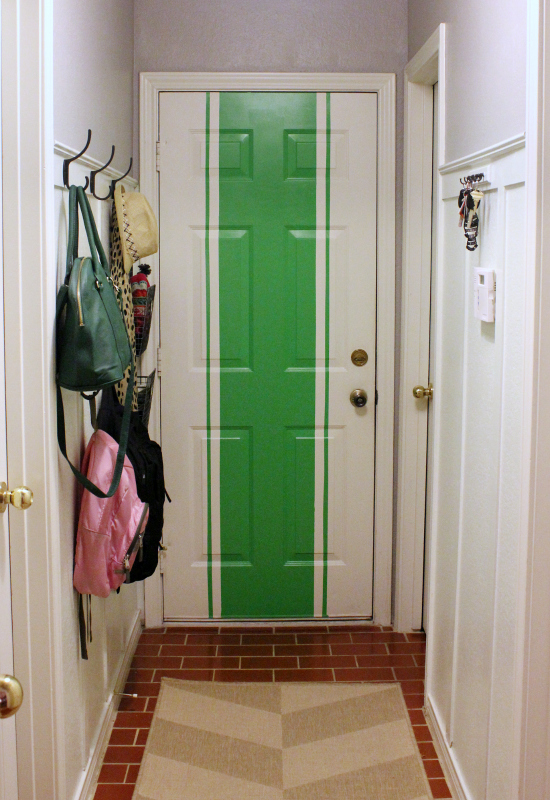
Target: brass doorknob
(20,498)
(358,398)
(419,392)
(11,696)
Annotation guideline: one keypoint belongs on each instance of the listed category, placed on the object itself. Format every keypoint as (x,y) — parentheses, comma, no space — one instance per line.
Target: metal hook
(114,182)
(67,161)
(94,172)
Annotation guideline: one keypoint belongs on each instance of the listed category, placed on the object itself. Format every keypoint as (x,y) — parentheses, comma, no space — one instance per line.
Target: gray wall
(93,66)
(486,68)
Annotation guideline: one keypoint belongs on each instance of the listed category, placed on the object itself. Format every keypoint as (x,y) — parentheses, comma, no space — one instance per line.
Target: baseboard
(444,754)
(109,714)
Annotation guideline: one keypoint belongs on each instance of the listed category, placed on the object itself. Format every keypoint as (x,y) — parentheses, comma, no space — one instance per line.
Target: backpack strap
(122,447)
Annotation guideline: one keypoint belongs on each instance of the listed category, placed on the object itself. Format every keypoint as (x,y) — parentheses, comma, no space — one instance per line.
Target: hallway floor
(266,653)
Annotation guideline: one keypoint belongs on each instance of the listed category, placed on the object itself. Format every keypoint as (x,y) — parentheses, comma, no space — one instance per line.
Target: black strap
(82,628)
(122,447)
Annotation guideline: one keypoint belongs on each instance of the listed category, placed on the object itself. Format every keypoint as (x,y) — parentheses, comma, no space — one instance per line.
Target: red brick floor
(267,653)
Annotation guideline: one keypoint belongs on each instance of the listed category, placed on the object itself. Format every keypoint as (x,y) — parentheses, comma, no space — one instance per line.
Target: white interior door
(261,310)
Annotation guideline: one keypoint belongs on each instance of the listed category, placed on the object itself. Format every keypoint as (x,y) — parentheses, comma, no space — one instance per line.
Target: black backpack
(146,458)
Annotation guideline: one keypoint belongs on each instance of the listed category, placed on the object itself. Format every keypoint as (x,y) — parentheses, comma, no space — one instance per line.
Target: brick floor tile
(154,630)
(185,674)
(133,771)
(302,650)
(123,736)
(414,700)
(185,629)
(439,788)
(416,716)
(152,638)
(359,628)
(152,704)
(246,650)
(142,736)
(184,650)
(380,636)
(114,773)
(427,750)
(364,674)
(114,791)
(422,733)
(133,719)
(243,675)
(432,767)
(400,648)
(302,629)
(372,649)
(330,662)
(416,637)
(269,662)
(140,675)
(323,638)
(385,661)
(147,650)
(213,638)
(123,755)
(312,675)
(272,638)
(248,629)
(420,660)
(409,673)
(211,662)
(143,689)
(412,687)
(387,628)
(149,662)
(132,704)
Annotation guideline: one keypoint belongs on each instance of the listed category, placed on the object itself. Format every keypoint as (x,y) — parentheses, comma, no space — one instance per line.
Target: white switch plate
(484,294)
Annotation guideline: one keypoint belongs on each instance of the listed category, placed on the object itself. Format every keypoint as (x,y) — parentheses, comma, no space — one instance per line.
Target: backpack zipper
(137,540)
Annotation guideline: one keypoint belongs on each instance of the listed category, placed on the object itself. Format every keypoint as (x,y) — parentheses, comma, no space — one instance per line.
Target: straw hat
(137,224)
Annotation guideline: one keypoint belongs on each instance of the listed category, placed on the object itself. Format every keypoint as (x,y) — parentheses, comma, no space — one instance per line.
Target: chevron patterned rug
(292,741)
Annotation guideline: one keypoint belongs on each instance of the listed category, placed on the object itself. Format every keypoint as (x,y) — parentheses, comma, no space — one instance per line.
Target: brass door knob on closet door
(11,696)
(419,392)
(20,498)
(358,398)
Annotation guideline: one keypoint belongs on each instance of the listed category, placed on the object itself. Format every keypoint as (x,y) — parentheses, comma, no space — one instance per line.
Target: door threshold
(280,622)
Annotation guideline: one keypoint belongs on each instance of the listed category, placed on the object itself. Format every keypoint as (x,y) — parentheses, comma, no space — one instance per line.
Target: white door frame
(152,83)
(29,298)
(8,741)
(426,68)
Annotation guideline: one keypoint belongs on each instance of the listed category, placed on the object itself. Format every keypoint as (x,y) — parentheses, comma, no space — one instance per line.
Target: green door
(257,312)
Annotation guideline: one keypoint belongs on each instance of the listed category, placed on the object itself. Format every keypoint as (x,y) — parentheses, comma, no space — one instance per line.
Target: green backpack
(92,344)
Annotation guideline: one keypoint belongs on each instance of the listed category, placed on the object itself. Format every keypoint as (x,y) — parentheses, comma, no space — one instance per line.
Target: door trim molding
(426,68)
(151,84)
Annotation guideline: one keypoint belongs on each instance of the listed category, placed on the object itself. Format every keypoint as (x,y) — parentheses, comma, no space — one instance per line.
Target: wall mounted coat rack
(90,182)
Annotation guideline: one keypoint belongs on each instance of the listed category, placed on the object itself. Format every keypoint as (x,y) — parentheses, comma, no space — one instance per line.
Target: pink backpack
(110,530)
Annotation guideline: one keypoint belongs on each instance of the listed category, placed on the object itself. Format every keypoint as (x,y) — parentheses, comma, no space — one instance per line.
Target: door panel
(260,311)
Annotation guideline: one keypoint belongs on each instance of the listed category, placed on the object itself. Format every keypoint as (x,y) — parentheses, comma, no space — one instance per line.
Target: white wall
(486,67)
(93,66)
(88,684)
(476,521)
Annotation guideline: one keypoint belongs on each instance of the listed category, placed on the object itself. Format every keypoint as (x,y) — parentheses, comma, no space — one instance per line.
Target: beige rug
(292,741)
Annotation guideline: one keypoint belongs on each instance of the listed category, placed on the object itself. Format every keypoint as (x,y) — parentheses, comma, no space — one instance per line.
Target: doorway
(227,568)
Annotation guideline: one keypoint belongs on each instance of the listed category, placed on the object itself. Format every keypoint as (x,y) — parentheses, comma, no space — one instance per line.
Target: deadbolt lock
(419,392)
(20,498)
(11,696)
(359,358)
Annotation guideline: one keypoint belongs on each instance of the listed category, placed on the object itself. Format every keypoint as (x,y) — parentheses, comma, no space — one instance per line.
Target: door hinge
(158,156)
(159,362)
